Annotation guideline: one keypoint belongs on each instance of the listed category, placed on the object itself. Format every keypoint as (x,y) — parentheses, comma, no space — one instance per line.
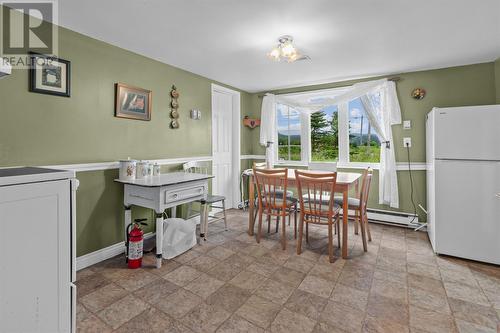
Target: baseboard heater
(401,219)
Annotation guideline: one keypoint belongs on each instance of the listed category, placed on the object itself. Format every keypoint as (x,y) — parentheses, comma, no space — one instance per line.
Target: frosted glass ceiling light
(285,49)
(275,54)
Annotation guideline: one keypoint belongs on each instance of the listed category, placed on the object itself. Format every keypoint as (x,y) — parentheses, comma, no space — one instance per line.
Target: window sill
(340,165)
(400,166)
(290,163)
(358,165)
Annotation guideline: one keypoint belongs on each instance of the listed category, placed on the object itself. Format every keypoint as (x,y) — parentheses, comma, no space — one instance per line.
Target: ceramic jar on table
(156,170)
(143,169)
(127,169)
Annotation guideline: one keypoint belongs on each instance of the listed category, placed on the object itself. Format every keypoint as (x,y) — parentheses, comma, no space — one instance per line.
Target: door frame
(236,139)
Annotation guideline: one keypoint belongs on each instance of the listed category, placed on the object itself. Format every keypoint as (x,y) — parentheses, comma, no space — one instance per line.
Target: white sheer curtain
(268,127)
(382,108)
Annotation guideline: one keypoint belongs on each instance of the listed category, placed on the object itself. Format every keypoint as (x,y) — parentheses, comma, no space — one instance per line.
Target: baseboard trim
(111,251)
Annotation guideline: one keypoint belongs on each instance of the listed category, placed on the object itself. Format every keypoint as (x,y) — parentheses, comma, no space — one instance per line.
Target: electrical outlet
(407,142)
(407,124)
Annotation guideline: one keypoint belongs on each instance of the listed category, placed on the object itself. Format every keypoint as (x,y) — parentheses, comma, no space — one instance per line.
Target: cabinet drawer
(181,194)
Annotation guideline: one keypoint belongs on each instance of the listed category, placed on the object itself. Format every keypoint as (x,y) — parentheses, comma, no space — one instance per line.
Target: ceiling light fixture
(286,50)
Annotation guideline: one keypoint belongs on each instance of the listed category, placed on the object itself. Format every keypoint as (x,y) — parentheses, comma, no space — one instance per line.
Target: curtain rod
(394,79)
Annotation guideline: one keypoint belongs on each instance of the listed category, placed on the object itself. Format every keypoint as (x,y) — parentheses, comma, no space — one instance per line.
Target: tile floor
(232,284)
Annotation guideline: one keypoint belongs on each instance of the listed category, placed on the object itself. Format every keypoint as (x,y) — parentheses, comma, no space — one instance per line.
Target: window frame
(343,139)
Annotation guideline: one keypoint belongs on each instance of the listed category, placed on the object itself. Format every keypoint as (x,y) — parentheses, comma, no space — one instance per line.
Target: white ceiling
(227,40)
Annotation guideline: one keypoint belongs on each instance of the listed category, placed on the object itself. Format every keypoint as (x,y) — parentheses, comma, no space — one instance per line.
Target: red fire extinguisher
(135,240)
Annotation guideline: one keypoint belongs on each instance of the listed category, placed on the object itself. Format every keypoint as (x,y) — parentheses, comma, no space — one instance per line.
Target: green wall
(455,86)
(38,129)
(497,79)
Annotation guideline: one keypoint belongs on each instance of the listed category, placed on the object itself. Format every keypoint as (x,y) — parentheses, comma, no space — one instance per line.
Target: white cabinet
(37,293)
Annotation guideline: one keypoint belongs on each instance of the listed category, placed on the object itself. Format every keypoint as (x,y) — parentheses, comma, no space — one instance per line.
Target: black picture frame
(39,65)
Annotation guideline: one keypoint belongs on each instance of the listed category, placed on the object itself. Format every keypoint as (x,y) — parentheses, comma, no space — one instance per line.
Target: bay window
(340,133)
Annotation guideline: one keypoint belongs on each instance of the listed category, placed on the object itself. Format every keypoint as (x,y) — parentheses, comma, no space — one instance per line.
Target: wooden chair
(317,204)
(359,205)
(201,167)
(271,182)
(279,193)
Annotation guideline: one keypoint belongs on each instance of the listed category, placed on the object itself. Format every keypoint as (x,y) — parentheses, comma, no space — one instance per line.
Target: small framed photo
(132,102)
(49,75)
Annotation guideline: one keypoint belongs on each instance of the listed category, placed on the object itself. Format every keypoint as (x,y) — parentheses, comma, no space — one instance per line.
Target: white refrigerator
(463,181)
(37,246)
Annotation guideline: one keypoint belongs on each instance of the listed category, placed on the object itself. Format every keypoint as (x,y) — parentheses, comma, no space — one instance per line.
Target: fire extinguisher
(135,240)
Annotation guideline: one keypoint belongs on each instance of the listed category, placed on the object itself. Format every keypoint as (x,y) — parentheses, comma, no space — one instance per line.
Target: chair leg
(301,232)
(277,223)
(363,233)
(368,228)
(268,224)
(307,233)
(295,224)
(225,216)
(338,229)
(259,229)
(283,229)
(330,241)
(205,228)
(356,221)
(255,208)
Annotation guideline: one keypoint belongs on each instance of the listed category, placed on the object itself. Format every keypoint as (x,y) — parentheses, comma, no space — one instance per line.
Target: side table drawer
(181,194)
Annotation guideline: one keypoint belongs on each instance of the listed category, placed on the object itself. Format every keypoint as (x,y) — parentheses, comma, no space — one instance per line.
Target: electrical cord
(411,186)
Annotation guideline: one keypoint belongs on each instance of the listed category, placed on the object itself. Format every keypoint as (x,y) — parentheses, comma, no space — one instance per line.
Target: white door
(467,206)
(222,145)
(35,269)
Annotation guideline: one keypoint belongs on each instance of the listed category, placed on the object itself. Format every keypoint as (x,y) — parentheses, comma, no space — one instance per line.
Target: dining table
(345,182)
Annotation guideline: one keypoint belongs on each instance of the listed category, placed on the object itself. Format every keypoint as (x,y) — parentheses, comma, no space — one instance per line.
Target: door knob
(498,195)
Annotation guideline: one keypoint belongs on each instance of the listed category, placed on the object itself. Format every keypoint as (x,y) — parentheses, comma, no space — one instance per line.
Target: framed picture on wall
(49,75)
(132,102)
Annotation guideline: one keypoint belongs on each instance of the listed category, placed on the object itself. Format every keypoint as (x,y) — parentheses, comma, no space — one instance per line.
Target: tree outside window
(324,135)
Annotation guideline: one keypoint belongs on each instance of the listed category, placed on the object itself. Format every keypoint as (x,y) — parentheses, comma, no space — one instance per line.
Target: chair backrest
(259,165)
(316,194)
(195,167)
(365,188)
(268,181)
(323,166)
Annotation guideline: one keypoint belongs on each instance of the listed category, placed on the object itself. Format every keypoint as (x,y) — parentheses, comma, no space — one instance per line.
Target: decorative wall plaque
(174,106)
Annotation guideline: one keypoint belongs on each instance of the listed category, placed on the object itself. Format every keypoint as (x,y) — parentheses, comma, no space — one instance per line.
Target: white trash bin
(179,235)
